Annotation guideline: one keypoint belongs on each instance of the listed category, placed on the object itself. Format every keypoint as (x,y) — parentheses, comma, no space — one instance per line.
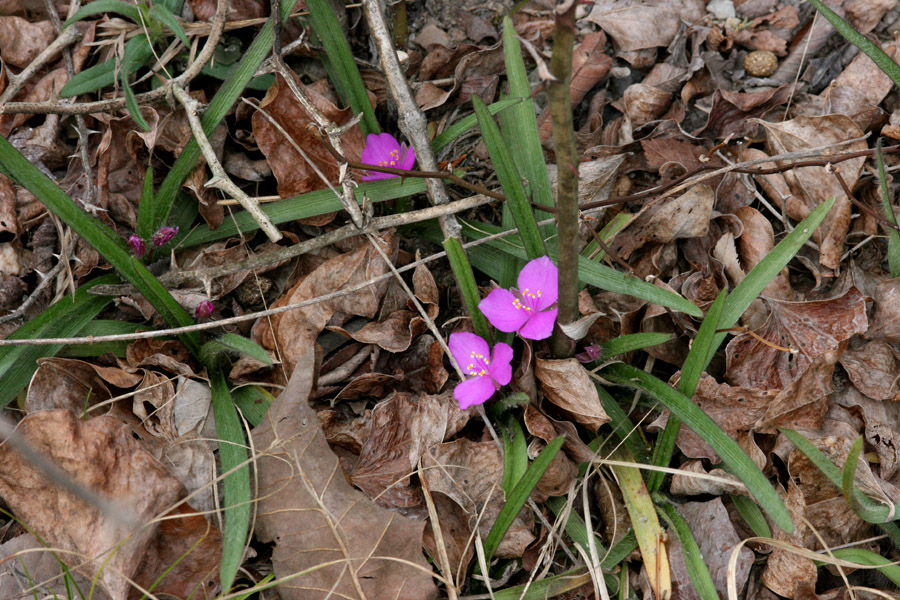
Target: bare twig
(35,294)
(220,179)
(412,121)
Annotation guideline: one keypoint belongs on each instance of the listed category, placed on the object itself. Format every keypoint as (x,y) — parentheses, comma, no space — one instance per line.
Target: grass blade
(99,327)
(64,318)
(230,344)
(691,415)
(233,456)
(893,233)
(516,500)
(696,568)
(218,107)
(165,16)
(347,79)
(253,401)
(515,455)
(98,235)
(631,342)
(870,559)
(465,279)
(696,361)
(463,125)
(757,279)
(145,207)
(646,525)
(511,182)
(129,11)
(878,56)
(752,515)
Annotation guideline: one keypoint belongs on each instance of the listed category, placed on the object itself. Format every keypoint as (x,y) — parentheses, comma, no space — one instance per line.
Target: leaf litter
(367,420)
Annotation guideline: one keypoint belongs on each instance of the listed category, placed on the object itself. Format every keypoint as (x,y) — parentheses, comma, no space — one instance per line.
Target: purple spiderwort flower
(590,354)
(487,370)
(137,245)
(526,310)
(203,310)
(163,235)
(384,150)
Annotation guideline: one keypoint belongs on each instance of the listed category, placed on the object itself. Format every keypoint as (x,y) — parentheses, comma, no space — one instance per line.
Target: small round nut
(760,63)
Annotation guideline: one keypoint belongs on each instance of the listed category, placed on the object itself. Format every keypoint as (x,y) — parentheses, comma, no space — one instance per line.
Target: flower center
(526,299)
(478,366)
(394,159)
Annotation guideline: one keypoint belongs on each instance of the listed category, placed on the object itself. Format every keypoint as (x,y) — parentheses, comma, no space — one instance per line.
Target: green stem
(567,176)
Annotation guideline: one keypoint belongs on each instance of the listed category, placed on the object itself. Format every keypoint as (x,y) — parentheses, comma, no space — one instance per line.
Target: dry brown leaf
(714,533)
(809,328)
(754,244)
(811,186)
(457,535)
(886,322)
(307,506)
(21,41)
(404,426)
(732,113)
(295,176)
(294,332)
(24,554)
(786,571)
(567,384)
(102,454)
(635,25)
(672,218)
(470,473)
(873,369)
(687,485)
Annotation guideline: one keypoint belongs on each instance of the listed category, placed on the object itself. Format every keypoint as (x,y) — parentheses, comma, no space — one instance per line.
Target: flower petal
(378,147)
(500,368)
(541,275)
(539,326)
(499,309)
(375,176)
(463,344)
(473,391)
(407,157)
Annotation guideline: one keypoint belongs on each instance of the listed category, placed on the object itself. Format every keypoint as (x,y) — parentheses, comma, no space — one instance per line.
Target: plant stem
(567,167)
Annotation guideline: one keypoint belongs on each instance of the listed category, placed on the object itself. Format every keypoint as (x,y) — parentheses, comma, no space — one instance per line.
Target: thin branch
(220,179)
(412,121)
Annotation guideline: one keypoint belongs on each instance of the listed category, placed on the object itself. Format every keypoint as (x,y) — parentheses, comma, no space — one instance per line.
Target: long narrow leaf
(516,500)
(869,558)
(347,78)
(510,181)
(893,233)
(165,16)
(64,318)
(129,11)
(218,107)
(233,456)
(465,279)
(467,123)
(752,515)
(696,568)
(98,235)
(691,415)
(515,455)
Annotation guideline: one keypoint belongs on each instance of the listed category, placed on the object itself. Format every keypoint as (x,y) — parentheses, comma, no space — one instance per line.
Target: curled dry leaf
(470,473)
(810,186)
(403,427)
(101,454)
(314,516)
(21,41)
(293,333)
(567,384)
(873,369)
(636,25)
(788,574)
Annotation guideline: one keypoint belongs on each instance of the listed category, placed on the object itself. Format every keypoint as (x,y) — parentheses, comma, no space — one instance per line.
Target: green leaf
(515,454)
(878,56)
(129,11)
(752,515)
(463,125)
(696,361)
(229,344)
(577,528)
(465,279)
(145,208)
(99,327)
(218,107)
(260,83)
(253,402)
(510,181)
(346,74)
(134,50)
(693,559)
(893,233)
(138,51)
(623,428)
(752,285)
(131,104)
(233,456)
(516,500)
(65,318)
(631,342)
(691,415)
(520,124)
(868,558)
(165,16)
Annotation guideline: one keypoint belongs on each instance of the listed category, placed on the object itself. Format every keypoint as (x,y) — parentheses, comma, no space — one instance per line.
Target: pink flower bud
(203,310)
(164,235)
(137,245)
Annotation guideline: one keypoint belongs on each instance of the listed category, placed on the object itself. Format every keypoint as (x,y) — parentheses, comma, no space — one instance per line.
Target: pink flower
(488,370)
(163,235)
(526,310)
(590,354)
(384,150)
(137,245)
(203,310)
